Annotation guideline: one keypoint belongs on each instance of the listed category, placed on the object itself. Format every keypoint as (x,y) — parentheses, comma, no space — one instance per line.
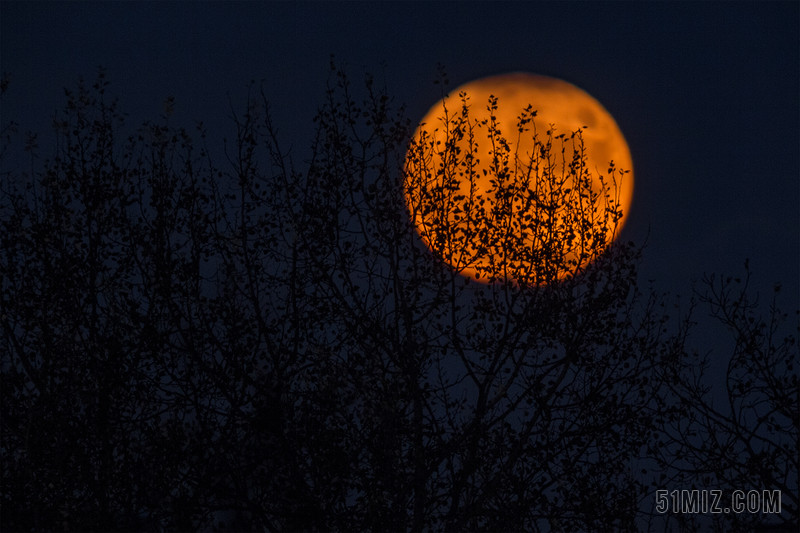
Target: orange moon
(444,187)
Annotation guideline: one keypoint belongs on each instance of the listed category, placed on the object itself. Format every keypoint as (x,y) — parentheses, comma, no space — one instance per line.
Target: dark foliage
(250,346)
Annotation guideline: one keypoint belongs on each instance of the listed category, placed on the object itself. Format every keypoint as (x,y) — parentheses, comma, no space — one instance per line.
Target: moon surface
(533,212)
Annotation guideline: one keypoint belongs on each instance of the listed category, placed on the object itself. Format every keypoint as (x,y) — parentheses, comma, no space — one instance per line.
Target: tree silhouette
(254,346)
(746,436)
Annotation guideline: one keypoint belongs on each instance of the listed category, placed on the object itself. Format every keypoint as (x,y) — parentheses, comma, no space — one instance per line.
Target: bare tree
(250,346)
(743,437)
(473,406)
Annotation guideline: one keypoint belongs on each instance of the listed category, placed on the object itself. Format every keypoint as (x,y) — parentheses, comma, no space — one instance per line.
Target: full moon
(518,177)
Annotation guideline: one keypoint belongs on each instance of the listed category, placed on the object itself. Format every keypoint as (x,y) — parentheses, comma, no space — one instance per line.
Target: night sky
(706,95)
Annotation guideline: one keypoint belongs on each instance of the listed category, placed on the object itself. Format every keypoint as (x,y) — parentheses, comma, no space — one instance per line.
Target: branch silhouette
(263,346)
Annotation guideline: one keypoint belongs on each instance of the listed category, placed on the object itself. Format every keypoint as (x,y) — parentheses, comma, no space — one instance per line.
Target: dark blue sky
(705,93)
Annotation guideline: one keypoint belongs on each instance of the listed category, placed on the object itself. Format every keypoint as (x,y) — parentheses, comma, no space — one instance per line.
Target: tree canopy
(259,344)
